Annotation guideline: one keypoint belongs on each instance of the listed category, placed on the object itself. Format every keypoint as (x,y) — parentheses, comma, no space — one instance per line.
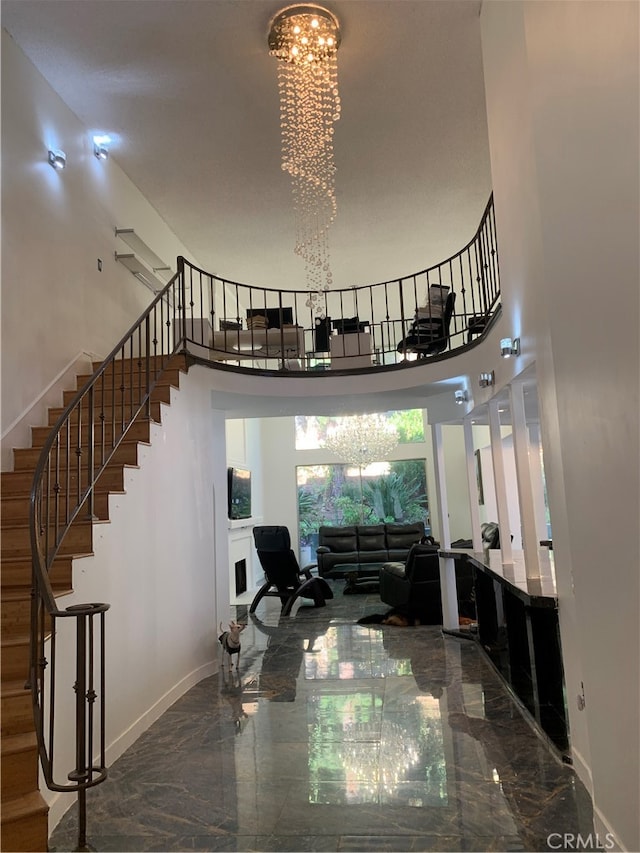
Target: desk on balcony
(241,344)
(350,350)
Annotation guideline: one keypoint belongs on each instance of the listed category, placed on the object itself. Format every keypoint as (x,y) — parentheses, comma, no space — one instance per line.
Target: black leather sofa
(365,543)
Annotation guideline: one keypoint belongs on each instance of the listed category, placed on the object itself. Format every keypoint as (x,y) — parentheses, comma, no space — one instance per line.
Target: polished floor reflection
(338,736)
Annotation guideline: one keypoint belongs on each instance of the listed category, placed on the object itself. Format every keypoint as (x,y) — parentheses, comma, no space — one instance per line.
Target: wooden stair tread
(24,810)
(13,688)
(23,742)
(18,476)
(19,807)
(17,595)
(16,574)
(16,524)
(175,361)
(15,641)
(140,430)
(169,376)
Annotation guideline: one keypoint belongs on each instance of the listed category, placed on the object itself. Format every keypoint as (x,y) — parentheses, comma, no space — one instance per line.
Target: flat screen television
(239,492)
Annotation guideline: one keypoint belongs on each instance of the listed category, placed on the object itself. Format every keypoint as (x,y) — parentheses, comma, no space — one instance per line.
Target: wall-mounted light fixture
(462,397)
(509,347)
(487,379)
(57,159)
(100,146)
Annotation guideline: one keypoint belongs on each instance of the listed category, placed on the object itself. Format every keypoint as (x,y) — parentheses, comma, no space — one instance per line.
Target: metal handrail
(96,421)
(91,428)
(386,312)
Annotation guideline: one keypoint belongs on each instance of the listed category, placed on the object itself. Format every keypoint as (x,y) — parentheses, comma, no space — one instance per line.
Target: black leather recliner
(283,576)
(414,587)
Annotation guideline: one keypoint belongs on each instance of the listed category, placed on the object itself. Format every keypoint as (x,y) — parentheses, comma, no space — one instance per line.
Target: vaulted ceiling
(188,92)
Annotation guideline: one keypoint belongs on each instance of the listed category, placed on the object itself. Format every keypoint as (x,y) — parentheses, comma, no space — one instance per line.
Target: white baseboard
(605,834)
(607,838)
(582,769)
(60,803)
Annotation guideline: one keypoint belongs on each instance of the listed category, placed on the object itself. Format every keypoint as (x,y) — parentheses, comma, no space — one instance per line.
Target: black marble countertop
(535,592)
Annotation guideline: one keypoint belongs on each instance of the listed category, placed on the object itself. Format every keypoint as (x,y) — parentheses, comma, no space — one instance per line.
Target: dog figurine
(230,642)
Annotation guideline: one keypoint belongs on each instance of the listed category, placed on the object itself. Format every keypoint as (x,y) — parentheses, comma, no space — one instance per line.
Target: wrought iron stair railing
(181,319)
(80,448)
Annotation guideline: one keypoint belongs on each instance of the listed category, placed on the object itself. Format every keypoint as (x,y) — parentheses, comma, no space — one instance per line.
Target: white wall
(244,450)
(57,308)
(154,563)
(562,99)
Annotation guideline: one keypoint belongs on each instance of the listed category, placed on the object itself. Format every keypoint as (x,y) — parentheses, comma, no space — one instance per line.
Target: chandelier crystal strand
(305,40)
(361,440)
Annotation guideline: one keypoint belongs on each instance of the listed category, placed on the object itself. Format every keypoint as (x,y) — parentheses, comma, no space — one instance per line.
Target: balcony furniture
(476,325)
(321,334)
(364,544)
(284,577)
(350,325)
(350,350)
(241,344)
(429,332)
(414,586)
(269,318)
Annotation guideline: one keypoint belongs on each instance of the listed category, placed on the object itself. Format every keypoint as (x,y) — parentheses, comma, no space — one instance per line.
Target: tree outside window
(338,494)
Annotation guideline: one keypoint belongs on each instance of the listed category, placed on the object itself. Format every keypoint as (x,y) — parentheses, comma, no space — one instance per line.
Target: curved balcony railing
(423,315)
(229,326)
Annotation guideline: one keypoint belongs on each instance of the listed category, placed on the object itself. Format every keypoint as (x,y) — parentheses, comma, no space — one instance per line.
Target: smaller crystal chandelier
(305,39)
(362,439)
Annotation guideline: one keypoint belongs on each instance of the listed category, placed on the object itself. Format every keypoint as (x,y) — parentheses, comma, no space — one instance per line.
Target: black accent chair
(476,325)
(429,335)
(414,587)
(283,576)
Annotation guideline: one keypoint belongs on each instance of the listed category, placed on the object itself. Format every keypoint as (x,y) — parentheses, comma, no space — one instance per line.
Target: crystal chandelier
(305,41)
(362,439)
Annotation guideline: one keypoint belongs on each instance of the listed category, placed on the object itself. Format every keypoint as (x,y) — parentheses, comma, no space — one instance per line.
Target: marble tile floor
(338,737)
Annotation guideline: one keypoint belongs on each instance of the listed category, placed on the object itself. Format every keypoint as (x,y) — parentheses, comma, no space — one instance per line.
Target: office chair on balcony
(283,576)
(429,332)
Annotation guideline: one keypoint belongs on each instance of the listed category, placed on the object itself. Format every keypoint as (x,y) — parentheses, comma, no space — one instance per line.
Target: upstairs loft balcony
(228,326)
(388,325)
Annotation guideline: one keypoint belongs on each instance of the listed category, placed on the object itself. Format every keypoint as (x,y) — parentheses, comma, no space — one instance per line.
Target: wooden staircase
(23,818)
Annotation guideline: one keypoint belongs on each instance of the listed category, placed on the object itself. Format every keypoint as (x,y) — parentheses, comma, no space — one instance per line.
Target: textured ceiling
(188,91)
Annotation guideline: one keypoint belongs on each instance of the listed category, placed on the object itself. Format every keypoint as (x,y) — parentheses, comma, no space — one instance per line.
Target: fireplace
(241,576)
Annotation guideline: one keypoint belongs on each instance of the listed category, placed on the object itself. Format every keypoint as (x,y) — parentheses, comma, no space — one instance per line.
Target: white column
(500,484)
(537,479)
(530,541)
(448,589)
(472,484)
